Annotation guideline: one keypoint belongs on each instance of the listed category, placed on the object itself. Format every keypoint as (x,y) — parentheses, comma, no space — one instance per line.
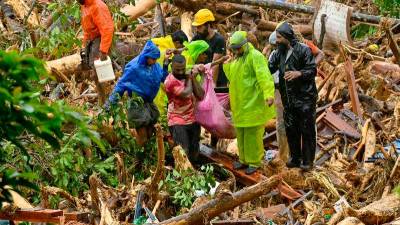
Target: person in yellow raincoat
(251,91)
(176,40)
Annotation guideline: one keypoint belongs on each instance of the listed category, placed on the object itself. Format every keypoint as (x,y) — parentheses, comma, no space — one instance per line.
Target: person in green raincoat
(196,53)
(251,91)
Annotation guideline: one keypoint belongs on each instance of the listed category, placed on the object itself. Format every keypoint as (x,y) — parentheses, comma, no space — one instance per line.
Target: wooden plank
(348,67)
(370,147)
(284,189)
(393,45)
(338,124)
(42,215)
(226,161)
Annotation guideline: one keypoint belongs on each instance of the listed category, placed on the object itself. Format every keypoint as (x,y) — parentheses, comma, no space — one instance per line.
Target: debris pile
(357,163)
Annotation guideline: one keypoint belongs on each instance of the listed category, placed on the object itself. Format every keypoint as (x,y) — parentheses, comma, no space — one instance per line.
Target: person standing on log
(297,71)
(280,123)
(98,30)
(141,79)
(203,21)
(251,92)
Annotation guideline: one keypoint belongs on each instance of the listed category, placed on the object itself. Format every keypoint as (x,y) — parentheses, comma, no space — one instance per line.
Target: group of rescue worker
(260,89)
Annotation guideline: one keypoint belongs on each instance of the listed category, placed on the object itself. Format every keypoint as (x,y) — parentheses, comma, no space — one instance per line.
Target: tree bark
(158,175)
(141,8)
(186,24)
(223,203)
(272,4)
(227,8)
(65,65)
(22,10)
(378,212)
(271,26)
(351,221)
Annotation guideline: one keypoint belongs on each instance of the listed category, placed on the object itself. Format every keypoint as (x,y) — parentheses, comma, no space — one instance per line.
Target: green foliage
(139,158)
(389,7)
(362,30)
(22,110)
(12,180)
(182,186)
(397,190)
(30,127)
(62,39)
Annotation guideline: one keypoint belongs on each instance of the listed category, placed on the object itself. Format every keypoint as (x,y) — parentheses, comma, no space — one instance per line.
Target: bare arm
(197,88)
(188,89)
(219,61)
(215,68)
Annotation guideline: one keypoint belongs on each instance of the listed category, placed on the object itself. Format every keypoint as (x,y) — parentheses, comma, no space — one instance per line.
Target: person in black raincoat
(297,71)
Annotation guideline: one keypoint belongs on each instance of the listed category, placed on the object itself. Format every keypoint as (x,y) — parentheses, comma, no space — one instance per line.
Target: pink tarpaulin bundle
(210,113)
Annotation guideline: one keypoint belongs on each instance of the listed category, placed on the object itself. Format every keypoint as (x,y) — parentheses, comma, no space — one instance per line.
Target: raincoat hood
(150,50)
(196,48)
(286,30)
(238,39)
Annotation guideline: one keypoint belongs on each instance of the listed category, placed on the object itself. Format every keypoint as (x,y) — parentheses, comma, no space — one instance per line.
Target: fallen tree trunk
(186,24)
(22,10)
(223,203)
(65,65)
(271,26)
(141,8)
(227,8)
(272,4)
(351,221)
(382,211)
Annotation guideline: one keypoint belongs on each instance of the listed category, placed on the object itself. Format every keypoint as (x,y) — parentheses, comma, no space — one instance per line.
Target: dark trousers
(301,133)
(187,136)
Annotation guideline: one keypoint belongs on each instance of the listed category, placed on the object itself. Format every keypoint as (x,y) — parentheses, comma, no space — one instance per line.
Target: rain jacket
(97,22)
(140,78)
(302,90)
(250,85)
(163,43)
(194,49)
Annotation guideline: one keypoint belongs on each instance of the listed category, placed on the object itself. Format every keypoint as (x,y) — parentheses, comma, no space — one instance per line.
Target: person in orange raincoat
(98,30)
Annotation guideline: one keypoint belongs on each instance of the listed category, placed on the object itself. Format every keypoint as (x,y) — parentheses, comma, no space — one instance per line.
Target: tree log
(351,221)
(22,10)
(226,8)
(181,160)
(186,24)
(194,5)
(272,4)
(65,65)
(271,26)
(223,203)
(141,8)
(158,175)
(378,212)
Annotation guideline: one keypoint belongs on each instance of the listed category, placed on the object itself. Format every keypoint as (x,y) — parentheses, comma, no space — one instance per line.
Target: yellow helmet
(203,16)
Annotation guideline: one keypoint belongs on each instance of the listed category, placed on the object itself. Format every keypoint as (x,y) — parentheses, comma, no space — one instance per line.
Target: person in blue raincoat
(141,80)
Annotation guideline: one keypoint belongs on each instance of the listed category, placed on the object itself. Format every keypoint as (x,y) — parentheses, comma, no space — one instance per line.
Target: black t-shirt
(217,46)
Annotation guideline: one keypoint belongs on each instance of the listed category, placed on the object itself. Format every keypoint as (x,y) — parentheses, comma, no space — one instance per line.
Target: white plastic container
(104,70)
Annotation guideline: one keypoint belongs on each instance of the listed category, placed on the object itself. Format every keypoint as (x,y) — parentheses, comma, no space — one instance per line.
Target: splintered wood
(22,10)
(223,203)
